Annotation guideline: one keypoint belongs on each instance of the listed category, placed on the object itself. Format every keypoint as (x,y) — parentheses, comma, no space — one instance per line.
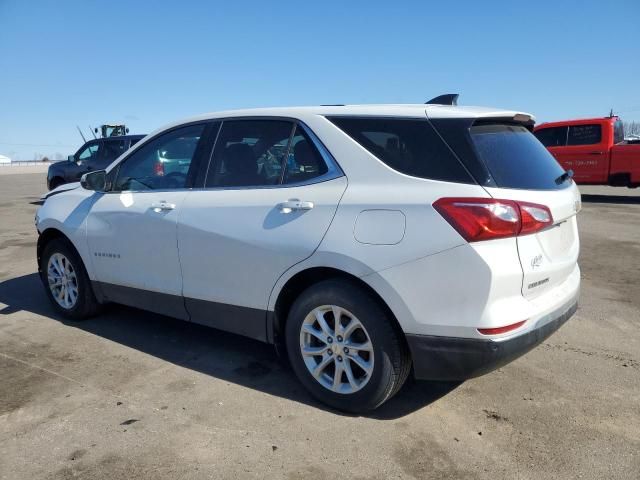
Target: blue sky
(68,63)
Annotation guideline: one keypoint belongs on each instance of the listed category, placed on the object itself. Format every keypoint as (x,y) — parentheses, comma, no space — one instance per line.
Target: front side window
(162,163)
(618,132)
(249,153)
(552,136)
(89,153)
(584,134)
(410,146)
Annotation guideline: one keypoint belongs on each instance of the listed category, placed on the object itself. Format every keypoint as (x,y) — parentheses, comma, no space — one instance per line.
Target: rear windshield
(515,158)
(410,146)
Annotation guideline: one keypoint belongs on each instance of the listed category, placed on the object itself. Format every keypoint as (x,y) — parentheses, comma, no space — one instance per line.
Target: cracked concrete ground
(135,395)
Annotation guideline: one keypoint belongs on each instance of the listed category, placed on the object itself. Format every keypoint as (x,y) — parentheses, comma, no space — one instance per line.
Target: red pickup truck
(594,149)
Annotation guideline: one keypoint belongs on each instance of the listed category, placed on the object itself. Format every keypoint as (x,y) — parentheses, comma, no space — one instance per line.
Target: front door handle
(595,153)
(294,205)
(162,206)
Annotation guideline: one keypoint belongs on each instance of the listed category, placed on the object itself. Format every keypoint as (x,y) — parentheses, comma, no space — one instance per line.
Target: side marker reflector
(498,330)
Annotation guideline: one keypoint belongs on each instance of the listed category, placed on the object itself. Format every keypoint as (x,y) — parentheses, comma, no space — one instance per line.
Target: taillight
(477,219)
(158,169)
(534,217)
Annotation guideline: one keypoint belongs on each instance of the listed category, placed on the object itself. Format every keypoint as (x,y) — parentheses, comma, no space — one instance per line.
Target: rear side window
(249,153)
(304,162)
(584,134)
(409,146)
(112,149)
(515,158)
(552,136)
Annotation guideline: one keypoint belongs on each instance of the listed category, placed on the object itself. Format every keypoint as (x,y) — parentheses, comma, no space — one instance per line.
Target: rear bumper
(450,358)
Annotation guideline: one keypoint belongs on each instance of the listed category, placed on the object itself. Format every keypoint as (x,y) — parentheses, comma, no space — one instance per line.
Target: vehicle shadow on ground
(617,199)
(222,355)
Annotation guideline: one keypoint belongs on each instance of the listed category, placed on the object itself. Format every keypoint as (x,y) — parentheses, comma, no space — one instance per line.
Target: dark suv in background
(94,155)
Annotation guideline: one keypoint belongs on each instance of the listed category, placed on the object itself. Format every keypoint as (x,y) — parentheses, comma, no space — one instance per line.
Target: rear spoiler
(446,99)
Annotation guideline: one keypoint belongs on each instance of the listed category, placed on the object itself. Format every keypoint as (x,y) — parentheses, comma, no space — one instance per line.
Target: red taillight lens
(477,219)
(158,169)
(534,217)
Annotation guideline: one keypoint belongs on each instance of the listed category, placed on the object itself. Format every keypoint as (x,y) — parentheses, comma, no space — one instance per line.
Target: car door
(585,154)
(131,229)
(269,196)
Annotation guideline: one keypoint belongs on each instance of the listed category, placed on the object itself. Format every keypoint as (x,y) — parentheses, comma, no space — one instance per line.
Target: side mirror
(95,181)
(71,158)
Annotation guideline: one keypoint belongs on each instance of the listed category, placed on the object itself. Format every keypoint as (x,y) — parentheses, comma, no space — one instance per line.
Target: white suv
(367,241)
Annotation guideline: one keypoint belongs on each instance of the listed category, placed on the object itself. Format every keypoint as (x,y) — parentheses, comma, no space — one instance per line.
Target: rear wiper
(564,177)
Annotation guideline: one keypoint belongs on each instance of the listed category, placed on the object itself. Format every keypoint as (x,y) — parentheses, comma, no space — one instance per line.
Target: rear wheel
(66,281)
(344,348)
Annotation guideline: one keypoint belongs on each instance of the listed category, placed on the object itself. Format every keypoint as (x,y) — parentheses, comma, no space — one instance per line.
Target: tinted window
(249,153)
(112,149)
(618,132)
(162,163)
(304,162)
(406,145)
(515,158)
(584,134)
(552,136)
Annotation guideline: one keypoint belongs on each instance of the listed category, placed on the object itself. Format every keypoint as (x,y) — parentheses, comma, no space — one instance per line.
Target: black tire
(86,304)
(392,361)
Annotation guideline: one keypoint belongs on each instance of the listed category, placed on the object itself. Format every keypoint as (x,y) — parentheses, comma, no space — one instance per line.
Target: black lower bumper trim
(451,358)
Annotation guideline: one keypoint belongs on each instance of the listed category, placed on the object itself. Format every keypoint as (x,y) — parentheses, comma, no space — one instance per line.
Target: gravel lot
(136,395)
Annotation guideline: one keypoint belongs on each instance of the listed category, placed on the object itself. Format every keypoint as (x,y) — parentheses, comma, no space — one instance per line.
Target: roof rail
(446,99)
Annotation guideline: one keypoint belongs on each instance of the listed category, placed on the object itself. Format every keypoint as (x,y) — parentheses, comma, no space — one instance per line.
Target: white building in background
(4,159)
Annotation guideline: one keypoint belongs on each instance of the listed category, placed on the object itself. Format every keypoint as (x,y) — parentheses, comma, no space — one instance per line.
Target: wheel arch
(302,280)
(45,237)
(52,233)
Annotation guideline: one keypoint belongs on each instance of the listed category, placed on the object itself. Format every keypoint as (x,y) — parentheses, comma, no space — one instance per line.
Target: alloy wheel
(336,349)
(62,279)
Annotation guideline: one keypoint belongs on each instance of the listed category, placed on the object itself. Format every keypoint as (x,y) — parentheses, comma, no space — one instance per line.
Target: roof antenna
(94,135)
(80,132)
(611,113)
(446,99)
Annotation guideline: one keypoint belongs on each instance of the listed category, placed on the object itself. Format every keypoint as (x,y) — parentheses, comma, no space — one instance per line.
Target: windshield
(515,158)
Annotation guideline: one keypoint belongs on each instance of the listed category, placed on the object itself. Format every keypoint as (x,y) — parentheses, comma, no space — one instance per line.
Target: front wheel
(344,348)
(66,281)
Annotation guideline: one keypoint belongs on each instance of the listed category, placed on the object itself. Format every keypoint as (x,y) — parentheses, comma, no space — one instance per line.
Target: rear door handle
(595,153)
(162,206)
(293,205)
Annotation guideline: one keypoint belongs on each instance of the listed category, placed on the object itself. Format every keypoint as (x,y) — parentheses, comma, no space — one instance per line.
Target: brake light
(158,169)
(498,330)
(477,219)
(534,217)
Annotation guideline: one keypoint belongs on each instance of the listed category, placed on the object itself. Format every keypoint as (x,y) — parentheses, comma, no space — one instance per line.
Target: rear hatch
(511,164)
(523,170)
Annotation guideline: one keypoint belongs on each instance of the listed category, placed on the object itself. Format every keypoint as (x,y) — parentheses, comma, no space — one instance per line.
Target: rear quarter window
(515,158)
(409,146)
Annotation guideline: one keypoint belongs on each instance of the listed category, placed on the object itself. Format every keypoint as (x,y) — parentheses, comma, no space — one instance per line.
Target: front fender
(67,212)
